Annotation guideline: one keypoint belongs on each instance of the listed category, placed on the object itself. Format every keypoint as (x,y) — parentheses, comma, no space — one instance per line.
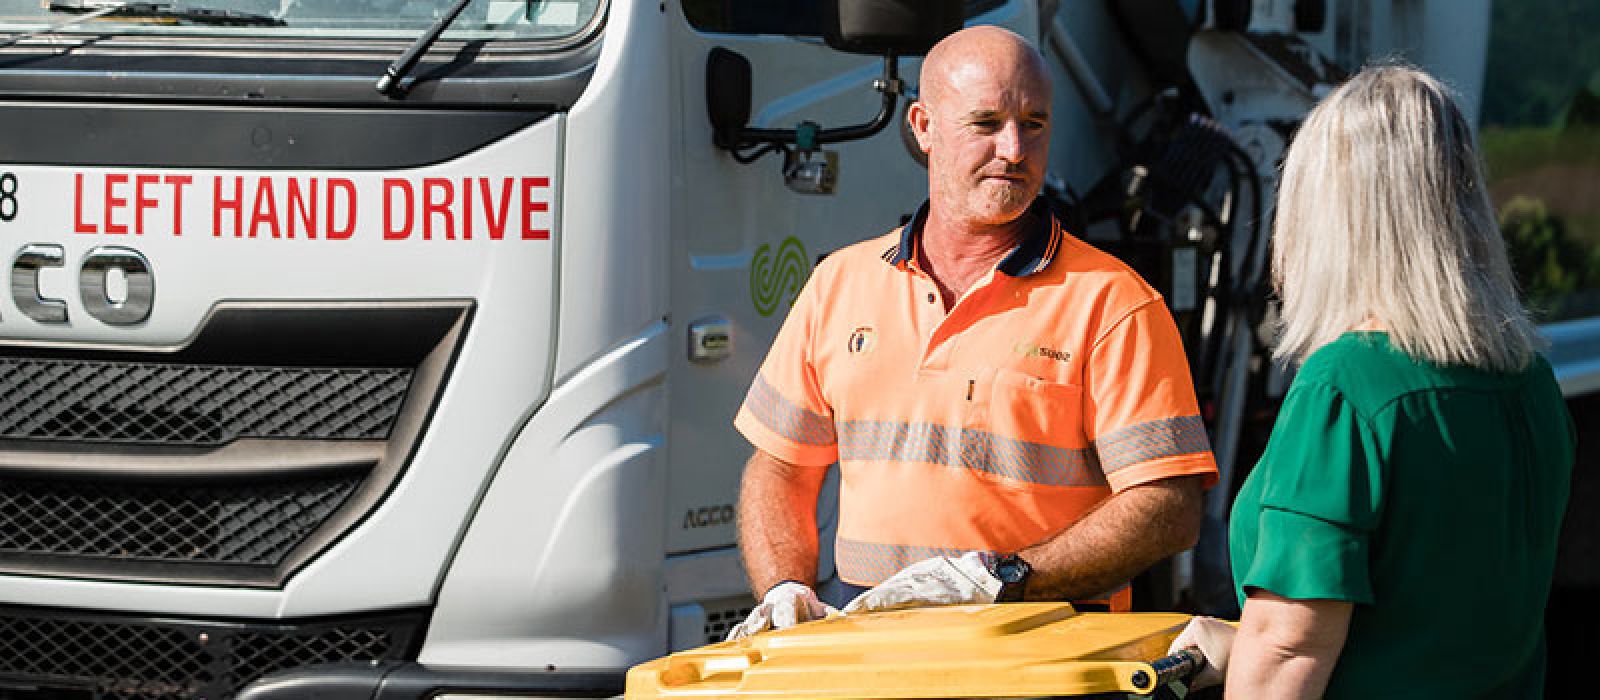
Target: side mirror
(727,96)
(889,27)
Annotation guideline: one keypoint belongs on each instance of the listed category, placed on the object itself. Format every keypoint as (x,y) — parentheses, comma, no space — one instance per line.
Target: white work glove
(785,605)
(1215,639)
(936,581)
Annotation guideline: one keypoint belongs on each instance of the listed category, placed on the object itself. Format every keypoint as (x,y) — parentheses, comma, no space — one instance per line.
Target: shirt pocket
(1029,430)
(1020,406)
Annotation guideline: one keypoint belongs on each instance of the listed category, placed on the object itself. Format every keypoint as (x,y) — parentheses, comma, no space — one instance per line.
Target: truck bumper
(413,681)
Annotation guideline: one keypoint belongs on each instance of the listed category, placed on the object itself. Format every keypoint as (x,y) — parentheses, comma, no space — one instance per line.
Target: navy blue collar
(1031,255)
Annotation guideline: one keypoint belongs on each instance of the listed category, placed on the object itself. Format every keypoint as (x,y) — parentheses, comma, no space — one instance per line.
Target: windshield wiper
(160,10)
(389,83)
(58,26)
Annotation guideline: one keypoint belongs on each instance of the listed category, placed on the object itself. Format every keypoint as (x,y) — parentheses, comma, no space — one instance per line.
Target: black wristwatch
(1013,573)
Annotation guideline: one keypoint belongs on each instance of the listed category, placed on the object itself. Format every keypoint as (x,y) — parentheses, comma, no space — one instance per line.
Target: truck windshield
(343,19)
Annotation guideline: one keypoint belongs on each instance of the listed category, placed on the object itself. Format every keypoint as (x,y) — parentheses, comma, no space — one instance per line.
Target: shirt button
(930,297)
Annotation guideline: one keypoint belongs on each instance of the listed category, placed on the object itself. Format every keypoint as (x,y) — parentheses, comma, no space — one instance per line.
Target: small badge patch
(861,340)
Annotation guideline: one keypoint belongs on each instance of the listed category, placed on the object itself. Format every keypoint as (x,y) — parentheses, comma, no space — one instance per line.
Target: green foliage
(1512,151)
(1584,112)
(1550,265)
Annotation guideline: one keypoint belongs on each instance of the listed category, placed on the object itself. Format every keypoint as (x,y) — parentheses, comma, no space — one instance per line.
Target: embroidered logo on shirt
(861,340)
(1031,350)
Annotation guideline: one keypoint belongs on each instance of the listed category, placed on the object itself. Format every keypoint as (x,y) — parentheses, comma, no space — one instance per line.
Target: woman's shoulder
(1366,371)
(1370,372)
(1357,358)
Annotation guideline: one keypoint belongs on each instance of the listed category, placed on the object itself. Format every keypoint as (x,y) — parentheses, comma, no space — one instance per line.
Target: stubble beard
(994,203)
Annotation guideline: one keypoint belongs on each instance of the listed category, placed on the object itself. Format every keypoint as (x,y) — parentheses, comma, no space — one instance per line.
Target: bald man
(1011,409)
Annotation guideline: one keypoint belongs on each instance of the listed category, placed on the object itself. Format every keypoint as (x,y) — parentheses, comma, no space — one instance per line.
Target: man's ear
(918,117)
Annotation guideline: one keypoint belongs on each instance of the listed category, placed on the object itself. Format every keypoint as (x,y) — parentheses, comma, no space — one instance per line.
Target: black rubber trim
(413,681)
(345,334)
(264,137)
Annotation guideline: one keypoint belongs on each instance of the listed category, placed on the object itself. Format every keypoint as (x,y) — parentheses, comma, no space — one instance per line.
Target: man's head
(983,118)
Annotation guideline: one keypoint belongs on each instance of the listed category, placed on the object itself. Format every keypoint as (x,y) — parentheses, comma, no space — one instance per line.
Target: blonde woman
(1399,533)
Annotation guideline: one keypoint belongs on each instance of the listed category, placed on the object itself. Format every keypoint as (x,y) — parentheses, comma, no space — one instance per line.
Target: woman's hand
(1214,639)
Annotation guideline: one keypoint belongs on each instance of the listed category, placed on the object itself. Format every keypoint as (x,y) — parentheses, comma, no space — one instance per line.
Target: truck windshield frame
(263,66)
(312,20)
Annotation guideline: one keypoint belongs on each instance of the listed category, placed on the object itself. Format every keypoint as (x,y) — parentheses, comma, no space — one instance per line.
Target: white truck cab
(329,375)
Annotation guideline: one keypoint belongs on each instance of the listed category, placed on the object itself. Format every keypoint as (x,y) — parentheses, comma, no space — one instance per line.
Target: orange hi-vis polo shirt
(1056,380)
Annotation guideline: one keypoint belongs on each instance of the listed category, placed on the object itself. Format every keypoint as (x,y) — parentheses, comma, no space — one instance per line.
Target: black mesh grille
(184,404)
(129,659)
(719,620)
(255,655)
(251,522)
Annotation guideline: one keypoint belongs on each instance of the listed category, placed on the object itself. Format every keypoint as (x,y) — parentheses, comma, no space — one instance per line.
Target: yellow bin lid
(1010,650)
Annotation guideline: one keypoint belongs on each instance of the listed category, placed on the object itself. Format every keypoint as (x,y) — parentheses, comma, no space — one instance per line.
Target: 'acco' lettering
(708,516)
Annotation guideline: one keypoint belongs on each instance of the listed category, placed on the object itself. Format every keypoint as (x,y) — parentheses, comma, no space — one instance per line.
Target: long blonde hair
(1383,215)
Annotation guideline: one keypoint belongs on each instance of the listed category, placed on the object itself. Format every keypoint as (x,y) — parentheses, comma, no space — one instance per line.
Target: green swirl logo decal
(775,278)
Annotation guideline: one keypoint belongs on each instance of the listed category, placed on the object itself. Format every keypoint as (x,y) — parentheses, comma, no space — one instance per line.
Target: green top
(1429,496)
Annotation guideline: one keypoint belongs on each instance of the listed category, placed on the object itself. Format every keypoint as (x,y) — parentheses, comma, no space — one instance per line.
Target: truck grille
(230,522)
(129,658)
(198,405)
(722,615)
(231,460)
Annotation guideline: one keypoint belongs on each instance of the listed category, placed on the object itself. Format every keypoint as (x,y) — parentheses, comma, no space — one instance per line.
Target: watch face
(1010,571)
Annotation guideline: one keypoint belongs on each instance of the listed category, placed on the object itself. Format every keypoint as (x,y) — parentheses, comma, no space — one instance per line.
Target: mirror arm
(891,87)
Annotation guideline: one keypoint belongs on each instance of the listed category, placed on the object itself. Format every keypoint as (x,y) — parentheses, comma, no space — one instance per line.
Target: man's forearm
(778,521)
(1111,544)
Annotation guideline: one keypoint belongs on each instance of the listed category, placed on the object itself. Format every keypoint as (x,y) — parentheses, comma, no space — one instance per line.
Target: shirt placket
(929,314)
(944,334)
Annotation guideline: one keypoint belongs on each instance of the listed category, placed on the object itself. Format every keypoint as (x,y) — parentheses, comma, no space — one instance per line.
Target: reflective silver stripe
(1153,440)
(869,563)
(785,418)
(1032,462)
